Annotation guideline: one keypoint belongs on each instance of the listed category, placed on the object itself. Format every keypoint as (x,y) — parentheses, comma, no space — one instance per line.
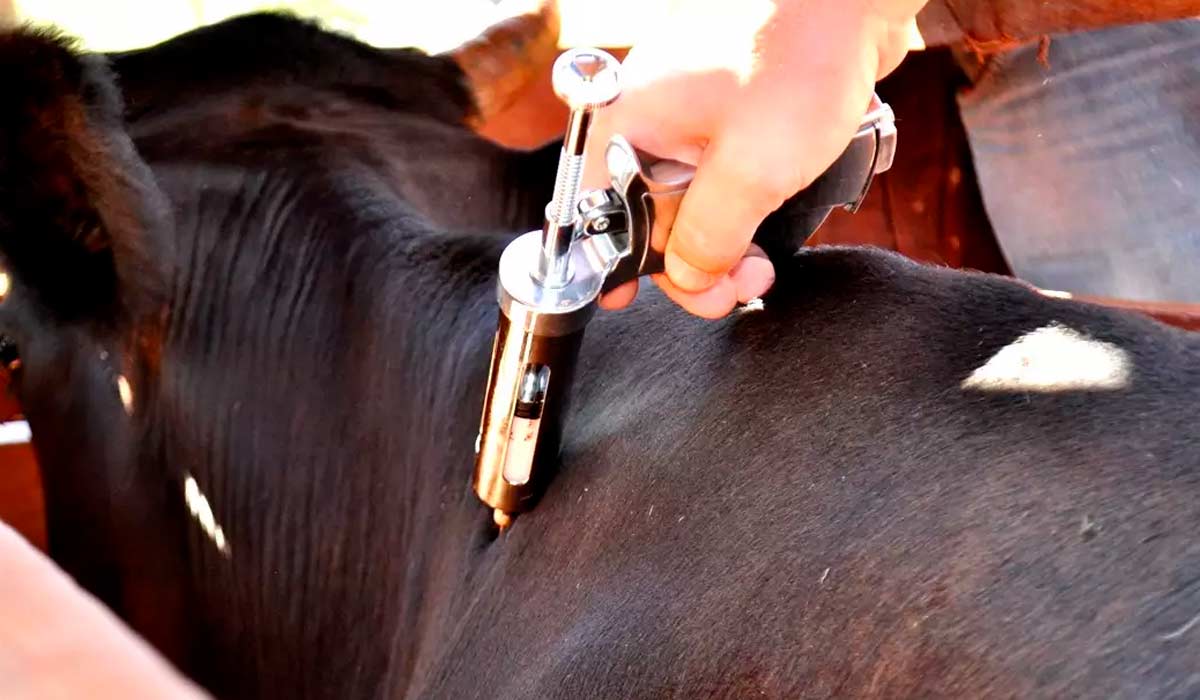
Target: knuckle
(766,183)
(778,183)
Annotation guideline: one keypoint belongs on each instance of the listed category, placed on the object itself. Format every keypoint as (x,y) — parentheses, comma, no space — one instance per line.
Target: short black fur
(802,501)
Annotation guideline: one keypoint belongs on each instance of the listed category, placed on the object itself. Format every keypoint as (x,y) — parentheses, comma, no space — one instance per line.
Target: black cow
(889,481)
(270,89)
(249,84)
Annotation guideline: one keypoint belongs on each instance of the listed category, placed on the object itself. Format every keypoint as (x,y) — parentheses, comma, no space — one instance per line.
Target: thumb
(728,199)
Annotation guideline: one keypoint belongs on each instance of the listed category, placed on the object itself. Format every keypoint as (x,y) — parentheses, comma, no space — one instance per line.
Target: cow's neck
(321,399)
(440,388)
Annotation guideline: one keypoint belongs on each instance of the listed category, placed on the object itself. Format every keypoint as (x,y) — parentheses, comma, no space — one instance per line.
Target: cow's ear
(82,222)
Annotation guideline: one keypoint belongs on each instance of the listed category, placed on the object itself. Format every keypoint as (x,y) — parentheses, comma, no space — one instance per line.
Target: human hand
(761,96)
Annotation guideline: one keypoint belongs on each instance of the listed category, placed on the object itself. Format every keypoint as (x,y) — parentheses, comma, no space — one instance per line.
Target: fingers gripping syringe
(550,280)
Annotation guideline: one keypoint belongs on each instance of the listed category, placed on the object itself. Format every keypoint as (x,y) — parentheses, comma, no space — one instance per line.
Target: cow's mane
(81,219)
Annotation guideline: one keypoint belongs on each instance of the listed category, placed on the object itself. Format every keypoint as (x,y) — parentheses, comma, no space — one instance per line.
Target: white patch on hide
(15,433)
(200,509)
(1051,359)
(126,393)
(755,304)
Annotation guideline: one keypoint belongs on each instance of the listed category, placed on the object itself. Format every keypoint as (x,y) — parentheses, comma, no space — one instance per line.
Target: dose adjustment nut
(586,78)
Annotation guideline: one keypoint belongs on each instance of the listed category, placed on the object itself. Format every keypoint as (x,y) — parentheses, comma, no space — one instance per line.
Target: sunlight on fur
(5,284)
(198,505)
(1053,358)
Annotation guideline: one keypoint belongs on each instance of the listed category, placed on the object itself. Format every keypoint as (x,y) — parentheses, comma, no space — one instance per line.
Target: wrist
(885,28)
(946,22)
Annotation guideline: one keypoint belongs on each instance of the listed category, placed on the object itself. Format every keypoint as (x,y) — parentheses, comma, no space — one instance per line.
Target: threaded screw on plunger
(586,79)
(566,189)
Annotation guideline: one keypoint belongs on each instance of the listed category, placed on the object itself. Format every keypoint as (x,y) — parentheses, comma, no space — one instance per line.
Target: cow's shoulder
(943,308)
(869,486)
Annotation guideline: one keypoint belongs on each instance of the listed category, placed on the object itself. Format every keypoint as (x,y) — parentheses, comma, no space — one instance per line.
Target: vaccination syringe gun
(550,280)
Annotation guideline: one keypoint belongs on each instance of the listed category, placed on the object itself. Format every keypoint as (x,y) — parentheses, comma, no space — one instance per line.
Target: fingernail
(755,252)
(753,277)
(620,297)
(687,277)
(713,303)
(611,302)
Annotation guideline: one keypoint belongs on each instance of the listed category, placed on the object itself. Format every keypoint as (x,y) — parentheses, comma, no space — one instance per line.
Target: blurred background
(115,25)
